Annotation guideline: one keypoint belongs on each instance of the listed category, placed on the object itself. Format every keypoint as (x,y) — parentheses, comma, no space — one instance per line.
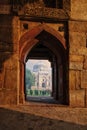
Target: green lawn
(38,92)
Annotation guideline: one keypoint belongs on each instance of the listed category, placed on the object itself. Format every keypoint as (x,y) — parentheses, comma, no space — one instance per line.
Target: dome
(40,67)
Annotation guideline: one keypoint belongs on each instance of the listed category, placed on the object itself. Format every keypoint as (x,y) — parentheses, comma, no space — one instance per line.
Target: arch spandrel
(48,37)
(29,39)
(31,34)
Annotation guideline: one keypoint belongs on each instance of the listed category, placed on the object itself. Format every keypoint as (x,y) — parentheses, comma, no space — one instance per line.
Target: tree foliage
(30,79)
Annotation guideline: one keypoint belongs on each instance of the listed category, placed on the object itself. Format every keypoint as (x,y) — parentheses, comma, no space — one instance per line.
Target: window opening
(38,79)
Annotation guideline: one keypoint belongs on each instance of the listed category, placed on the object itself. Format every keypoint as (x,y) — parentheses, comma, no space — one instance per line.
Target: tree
(30,79)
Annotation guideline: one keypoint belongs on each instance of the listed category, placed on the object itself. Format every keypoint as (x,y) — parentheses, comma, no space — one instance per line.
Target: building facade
(54,30)
(43,77)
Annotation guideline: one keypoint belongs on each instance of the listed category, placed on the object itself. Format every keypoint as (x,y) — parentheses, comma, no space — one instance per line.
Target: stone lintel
(43,12)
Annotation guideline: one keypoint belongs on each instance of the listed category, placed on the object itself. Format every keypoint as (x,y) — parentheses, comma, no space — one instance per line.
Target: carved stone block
(85,63)
(10,81)
(76,66)
(79,9)
(78,26)
(1,84)
(39,11)
(86,97)
(76,58)
(10,97)
(11,62)
(1,97)
(75,50)
(72,79)
(84,79)
(78,80)
(77,39)
(77,98)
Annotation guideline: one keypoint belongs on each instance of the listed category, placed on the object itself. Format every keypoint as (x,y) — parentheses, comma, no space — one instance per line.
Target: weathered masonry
(54,30)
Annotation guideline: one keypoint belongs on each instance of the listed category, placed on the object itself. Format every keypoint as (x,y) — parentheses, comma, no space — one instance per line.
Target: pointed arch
(48,37)
(28,40)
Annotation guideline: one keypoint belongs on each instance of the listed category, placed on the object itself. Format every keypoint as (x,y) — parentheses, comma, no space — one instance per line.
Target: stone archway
(54,42)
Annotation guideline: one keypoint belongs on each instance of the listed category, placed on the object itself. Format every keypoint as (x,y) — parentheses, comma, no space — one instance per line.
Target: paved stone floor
(42,99)
(37,116)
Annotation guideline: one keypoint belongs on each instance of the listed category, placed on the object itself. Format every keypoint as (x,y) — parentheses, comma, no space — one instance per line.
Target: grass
(38,92)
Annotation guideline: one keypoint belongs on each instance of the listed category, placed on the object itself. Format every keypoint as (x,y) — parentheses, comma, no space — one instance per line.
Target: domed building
(42,76)
(40,67)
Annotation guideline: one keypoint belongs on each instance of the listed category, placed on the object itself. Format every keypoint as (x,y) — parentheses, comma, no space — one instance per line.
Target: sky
(31,63)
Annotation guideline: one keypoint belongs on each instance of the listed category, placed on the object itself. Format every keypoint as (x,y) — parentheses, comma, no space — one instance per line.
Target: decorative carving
(43,12)
(19,4)
(32,8)
(38,8)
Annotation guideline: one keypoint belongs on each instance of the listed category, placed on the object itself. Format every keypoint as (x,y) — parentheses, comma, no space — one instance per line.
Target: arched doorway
(50,45)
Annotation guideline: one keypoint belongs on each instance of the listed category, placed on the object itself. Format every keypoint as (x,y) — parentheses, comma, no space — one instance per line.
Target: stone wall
(11,28)
(5,2)
(8,59)
(78,63)
(79,9)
